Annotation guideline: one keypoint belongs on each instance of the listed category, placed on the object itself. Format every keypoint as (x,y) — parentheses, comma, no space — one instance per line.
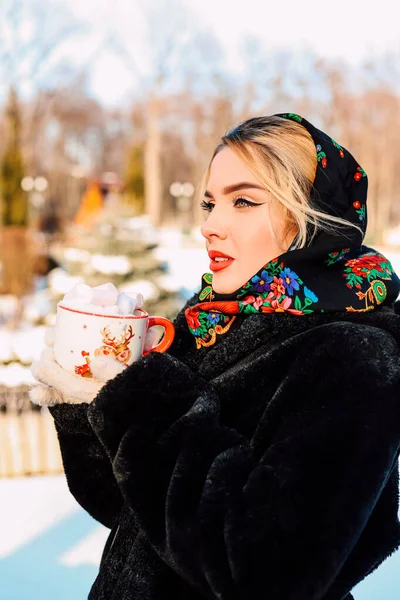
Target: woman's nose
(213,227)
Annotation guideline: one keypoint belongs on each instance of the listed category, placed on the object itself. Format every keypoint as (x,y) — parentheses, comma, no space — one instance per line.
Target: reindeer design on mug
(116,347)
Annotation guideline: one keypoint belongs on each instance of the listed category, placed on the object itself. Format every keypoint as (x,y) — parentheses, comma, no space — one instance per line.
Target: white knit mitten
(56,385)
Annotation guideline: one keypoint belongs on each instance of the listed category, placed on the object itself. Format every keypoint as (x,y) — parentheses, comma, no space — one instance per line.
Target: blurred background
(109,113)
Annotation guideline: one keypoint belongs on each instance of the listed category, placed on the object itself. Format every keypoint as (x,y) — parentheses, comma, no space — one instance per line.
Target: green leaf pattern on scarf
(371,267)
(274,290)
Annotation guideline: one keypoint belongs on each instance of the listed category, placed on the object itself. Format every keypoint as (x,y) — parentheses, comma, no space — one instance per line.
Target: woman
(258,458)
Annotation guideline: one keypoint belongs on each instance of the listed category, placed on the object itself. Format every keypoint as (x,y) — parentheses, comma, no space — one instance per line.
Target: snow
(28,506)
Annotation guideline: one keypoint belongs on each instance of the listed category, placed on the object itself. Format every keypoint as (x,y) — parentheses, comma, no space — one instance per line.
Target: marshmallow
(105,295)
(111,310)
(139,300)
(80,293)
(103,299)
(126,304)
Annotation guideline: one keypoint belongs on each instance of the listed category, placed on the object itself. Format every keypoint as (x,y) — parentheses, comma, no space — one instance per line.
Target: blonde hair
(282,155)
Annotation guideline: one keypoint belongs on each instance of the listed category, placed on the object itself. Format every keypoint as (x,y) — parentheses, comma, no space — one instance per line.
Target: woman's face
(239,213)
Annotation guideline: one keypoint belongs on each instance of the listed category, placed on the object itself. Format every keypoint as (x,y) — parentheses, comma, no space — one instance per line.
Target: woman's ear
(290,232)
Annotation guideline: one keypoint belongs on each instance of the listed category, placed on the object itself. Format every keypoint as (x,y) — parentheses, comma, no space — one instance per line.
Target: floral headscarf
(335,272)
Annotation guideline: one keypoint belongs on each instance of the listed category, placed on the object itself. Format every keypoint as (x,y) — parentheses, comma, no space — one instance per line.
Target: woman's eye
(237,203)
(208,206)
(243,203)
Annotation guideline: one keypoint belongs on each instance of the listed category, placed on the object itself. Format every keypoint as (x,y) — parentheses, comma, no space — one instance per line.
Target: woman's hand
(56,385)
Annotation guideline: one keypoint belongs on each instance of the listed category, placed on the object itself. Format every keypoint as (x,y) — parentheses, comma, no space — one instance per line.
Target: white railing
(28,439)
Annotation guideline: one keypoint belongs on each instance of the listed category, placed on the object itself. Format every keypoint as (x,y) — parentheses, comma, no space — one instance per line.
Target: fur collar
(266,331)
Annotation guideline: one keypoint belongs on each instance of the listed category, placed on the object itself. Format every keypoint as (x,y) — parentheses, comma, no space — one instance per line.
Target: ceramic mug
(81,336)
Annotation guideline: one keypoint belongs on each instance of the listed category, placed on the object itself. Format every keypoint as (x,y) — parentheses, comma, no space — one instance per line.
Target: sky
(336,28)
(348,30)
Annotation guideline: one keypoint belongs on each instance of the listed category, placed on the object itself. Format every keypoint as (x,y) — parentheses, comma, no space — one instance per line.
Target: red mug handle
(168,337)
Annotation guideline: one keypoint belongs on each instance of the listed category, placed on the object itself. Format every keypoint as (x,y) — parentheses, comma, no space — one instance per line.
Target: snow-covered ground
(49,547)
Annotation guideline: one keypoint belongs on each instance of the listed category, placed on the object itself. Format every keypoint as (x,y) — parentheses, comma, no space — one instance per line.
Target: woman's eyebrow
(235,187)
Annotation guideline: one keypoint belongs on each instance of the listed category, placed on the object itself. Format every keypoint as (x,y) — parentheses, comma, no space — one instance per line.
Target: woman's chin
(223,283)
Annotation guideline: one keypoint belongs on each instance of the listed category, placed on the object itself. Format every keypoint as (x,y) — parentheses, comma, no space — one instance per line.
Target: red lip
(216,266)
(216,253)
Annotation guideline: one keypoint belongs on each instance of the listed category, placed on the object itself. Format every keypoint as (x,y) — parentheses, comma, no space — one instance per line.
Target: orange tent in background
(91,205)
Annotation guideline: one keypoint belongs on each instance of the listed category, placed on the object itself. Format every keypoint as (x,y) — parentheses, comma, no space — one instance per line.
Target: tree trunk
(16,255)
(152,164)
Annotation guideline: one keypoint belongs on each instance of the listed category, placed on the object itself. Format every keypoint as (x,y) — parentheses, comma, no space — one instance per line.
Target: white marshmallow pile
(102,299)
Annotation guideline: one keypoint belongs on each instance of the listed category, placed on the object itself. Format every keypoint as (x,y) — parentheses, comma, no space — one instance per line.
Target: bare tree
(33,40)
(176,52)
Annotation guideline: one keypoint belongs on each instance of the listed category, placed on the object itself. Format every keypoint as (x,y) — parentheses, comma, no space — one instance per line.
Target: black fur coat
(265,467)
